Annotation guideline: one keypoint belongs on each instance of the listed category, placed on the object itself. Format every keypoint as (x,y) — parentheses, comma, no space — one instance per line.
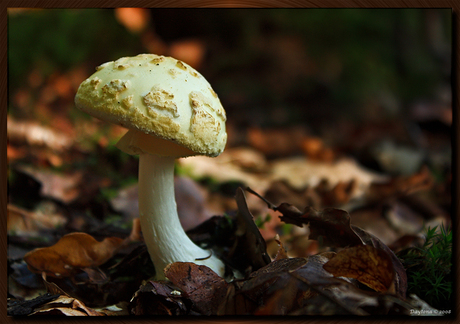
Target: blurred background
(322,104)
(314,69)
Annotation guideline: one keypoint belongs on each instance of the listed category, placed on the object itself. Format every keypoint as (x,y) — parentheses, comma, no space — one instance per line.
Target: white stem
(163,234)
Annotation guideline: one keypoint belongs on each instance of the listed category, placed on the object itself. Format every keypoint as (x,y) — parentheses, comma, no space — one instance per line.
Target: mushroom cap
(157,95)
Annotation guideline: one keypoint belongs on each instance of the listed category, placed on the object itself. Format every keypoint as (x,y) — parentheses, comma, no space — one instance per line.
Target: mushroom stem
(163,234)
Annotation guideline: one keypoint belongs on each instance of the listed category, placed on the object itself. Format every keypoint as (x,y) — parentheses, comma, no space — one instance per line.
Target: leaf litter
(348,270)
(357,274)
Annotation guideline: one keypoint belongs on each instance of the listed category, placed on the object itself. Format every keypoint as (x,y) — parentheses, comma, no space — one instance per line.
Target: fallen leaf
(249,248)
(29,223)
(249,295)
(159,298)
(231,165)
(330,224)
(63,187)
(26,307)
(401,276)
(280,191)
(301,173)
(198,283)
(67,306)
(367,264)
(400,186)
(235,239)
(34,134)
(333,225)
(72,253)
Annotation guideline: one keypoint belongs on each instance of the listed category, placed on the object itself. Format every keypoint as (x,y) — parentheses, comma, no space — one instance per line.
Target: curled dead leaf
(72,253)
(67,306)
(331,224)
(365,263)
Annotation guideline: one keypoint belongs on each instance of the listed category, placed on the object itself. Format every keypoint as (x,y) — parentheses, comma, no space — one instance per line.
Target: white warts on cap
(161,99)
(114,87)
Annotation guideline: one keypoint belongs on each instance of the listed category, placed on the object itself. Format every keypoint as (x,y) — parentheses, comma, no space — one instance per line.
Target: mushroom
(170,111)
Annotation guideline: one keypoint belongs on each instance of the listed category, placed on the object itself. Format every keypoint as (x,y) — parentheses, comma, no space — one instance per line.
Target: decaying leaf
(301,173)
(401,277)
(284,286)
(67,306)
(200,284)
(235,239)
(72,253)
(29,223)
(300,286)
(159,298)
(26,307)
(367,264)
(331,224)
(249,242)
(247,296)
(65,188)
(400,186)
(34,134)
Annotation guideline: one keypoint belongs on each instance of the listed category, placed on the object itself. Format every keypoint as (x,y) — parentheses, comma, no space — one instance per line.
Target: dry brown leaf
(63,187)
(330,224)
(301,173)
(401,186)
(29,223)
(72,253)
(231,165)
(67,306)
(333,225)
(401,276)
(367,264)
(34,134)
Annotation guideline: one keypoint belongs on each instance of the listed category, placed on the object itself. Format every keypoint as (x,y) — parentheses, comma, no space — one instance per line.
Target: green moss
(429,268)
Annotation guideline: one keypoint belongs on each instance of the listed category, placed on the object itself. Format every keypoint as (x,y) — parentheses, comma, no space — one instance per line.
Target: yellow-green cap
(160,96)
